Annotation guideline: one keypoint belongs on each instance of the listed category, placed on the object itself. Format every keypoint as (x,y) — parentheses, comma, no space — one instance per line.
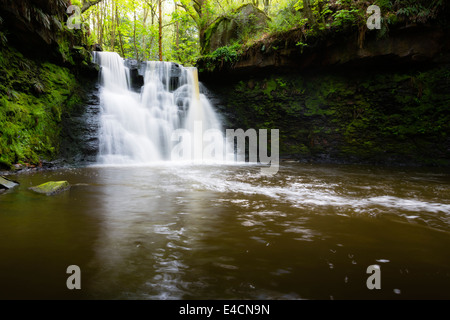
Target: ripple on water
(161,242)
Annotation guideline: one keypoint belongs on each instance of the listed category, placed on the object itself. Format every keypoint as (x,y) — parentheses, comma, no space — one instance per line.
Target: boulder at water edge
(7,184)
(52,187)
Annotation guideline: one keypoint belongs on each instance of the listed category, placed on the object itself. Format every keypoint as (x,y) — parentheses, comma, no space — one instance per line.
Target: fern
(3,39)
(57,23)
(227,54)
(42,17)
(418,11)
(24,65)
(345,17)
(38,86)
(61,3)
(12,94)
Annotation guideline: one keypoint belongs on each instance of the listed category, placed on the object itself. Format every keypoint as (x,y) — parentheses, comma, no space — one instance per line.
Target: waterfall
(138,128)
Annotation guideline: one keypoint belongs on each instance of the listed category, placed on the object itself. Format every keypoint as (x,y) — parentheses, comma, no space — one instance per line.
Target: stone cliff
(384,100)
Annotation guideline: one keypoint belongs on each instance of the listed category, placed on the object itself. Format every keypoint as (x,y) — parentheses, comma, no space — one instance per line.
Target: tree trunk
(160,31)
(266,6)
(101,25)
(121,44)
(144,43)
(118,31)
(113,26)
(153,15)
(308,11)
(134,35)
(202,39)
(177,34)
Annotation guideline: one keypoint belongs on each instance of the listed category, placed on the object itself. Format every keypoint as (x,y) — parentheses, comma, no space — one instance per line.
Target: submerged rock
(52,187)
(7,184)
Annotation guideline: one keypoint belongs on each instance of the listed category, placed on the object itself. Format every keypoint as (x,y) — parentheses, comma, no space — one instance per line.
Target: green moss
(33,97)
(65,51)
(51,187)
(209,32)
(390,116)
(271,85)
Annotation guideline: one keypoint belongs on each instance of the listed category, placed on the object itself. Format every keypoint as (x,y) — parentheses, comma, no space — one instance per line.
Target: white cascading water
(137,128)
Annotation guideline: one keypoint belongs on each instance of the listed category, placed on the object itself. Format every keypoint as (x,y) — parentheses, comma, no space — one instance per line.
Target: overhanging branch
(88,3)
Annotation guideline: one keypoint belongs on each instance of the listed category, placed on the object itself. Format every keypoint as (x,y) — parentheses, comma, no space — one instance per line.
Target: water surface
(172,231)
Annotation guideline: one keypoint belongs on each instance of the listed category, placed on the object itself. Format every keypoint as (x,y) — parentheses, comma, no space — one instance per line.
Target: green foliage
(187,25)
(131,29)
(184,47)
(223,56)
(3,38)
(301,44)
(227,54)
(270,86)
(418,10)
(385,5)
(345,17)
(288,18)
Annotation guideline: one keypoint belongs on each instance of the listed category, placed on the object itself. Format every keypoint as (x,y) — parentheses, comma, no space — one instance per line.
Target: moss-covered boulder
(244,21)
(51,188)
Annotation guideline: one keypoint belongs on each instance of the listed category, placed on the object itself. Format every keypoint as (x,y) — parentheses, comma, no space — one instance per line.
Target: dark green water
(226,232)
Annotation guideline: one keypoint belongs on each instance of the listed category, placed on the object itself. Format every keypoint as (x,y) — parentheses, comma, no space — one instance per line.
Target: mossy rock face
(386,116)
(242,22)
(52,187)
(34,98)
